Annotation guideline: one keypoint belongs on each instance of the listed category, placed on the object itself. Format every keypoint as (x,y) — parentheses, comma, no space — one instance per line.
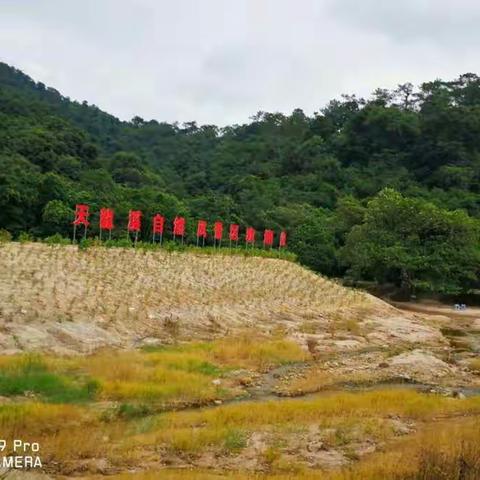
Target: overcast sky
(221,61)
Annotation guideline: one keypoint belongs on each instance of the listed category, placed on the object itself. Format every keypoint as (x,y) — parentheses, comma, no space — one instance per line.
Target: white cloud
(445,23)
(220,62)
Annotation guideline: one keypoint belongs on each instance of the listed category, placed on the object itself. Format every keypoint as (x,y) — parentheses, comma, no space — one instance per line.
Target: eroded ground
(65,300)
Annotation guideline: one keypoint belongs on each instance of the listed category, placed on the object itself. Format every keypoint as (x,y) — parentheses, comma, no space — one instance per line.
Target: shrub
(25,237)
(84,244)
(120,243)
(56,239)
(5,236)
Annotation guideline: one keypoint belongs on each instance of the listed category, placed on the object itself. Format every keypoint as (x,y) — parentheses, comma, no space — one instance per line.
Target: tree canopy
(415,244)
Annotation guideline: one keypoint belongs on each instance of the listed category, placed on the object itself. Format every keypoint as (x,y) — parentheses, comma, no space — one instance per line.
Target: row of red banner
(82,213)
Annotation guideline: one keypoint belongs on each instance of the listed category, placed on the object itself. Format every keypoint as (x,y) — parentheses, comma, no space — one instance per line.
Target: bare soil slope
(65,300)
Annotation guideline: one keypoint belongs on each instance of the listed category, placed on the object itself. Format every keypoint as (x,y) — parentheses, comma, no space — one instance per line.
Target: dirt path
(438,309)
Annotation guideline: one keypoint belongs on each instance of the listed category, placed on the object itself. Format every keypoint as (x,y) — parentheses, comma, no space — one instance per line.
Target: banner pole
(74,232)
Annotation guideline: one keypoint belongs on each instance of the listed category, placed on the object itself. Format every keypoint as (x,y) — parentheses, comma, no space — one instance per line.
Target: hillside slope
(62,299)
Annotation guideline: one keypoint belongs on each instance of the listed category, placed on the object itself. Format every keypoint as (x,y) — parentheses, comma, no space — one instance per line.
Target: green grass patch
(31,376)
(235,440)
(129,411)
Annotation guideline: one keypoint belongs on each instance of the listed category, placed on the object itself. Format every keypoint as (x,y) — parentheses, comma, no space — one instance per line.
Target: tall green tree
(414,244)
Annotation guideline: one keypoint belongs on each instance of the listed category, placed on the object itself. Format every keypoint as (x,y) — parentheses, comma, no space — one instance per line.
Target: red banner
(218,230)
(158,223)
(179,226)
(134,220)
(250,235)
(202,229)
(268,238)
(234,229)
(106,219)
(81,215)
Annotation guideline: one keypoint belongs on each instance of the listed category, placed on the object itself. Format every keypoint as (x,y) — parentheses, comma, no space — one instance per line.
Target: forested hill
(384,189)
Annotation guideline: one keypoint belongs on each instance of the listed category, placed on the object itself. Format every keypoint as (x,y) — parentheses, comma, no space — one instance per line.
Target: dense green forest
(385,189)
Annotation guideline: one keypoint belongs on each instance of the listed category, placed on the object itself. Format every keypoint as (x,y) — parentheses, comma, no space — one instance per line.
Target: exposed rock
(420,362)
(348,344)
(404,328)
(363,448)
(327,459)
(401,427)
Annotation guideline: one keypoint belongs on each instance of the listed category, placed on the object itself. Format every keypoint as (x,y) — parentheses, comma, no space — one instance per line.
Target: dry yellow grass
(69,433)
(251,351)
(316,379)
(440,451)
(178,374)
(352,417)
(64,432)
(143,376)
(36,418)
(404,403)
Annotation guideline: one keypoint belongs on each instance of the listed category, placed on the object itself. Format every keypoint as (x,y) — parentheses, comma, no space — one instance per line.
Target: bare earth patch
(65,300)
